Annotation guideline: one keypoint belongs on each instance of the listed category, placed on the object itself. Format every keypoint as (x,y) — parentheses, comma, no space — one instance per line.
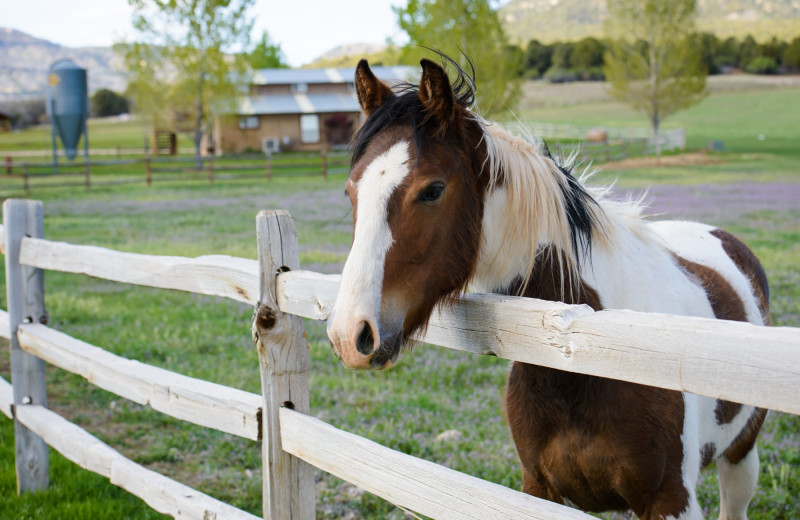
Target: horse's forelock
(406,108)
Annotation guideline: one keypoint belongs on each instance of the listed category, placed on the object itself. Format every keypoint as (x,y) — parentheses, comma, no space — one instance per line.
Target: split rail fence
(728,360)
(26,175)
(616,144)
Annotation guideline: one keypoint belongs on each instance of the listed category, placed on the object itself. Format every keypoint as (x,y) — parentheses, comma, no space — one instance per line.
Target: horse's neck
(525,208)
(550,280)
(623,241)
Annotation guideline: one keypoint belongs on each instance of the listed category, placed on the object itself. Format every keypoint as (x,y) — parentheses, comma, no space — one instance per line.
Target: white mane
(526,209)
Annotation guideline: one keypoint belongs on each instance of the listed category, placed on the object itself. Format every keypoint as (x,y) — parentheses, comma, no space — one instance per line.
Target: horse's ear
(371,91)
(436,93)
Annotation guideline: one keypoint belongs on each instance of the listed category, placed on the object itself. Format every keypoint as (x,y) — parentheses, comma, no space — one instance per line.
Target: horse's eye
(432,192)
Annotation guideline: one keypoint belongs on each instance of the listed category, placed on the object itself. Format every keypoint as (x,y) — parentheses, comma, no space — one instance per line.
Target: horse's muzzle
(357,342)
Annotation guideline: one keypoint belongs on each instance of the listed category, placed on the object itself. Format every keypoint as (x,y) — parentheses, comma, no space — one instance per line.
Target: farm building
(297,109)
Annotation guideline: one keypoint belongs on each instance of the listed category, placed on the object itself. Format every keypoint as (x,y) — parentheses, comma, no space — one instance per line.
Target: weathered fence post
(324,157)
(25,183)
(148,176)
(289,490)
(269,167)
(25,293)
(86,174)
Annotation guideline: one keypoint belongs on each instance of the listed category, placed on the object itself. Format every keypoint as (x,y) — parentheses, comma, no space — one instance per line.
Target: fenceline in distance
(729,360)
(613,144)
(27,175)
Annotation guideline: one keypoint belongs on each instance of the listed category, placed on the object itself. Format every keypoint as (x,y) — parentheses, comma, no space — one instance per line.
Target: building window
(309,128)
(300,88)
(248,122)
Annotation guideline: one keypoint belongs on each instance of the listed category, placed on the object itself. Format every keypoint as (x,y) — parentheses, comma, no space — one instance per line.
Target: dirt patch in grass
(717,204)
(684,159)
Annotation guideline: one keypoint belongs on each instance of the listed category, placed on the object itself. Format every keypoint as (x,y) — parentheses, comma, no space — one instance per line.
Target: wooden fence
(28,175)
(673,139)
(728,360)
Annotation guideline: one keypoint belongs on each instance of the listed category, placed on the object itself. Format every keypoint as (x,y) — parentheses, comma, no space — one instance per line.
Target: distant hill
(24,60)
(348,55)
(552,20)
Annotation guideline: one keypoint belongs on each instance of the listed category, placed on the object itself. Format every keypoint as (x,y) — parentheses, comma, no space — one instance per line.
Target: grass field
(751,189)
(105,133)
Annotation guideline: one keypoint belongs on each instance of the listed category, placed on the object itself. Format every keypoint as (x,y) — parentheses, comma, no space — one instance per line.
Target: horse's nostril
(365,343)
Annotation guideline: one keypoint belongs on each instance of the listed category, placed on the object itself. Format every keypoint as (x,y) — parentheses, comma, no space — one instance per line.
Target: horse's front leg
(539,488)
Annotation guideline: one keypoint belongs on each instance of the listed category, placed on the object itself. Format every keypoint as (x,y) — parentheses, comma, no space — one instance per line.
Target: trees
(539,58)
(587,54)
(106,103)
(186,66)
(791,54)
(471,27)
(266,54)
(709,47)
(665,73)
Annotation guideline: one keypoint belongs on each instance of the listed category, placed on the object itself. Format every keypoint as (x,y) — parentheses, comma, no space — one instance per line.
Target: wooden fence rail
(194,400)
(34,175)
(730,360)
(159,492)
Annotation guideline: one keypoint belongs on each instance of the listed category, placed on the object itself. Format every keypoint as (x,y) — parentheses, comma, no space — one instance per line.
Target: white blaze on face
(362,277)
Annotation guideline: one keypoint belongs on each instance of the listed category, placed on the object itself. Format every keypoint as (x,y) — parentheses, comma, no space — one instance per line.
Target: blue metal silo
(68,106)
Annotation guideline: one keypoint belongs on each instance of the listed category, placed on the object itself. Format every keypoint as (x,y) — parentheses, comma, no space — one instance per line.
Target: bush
(108,103)
(559,75)
(762,65)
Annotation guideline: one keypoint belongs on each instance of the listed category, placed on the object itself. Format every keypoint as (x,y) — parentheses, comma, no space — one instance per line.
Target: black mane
(405,108)
(577,203)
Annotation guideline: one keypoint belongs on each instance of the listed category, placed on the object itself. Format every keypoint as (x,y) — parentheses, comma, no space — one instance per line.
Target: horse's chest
(584,470)
(600,444)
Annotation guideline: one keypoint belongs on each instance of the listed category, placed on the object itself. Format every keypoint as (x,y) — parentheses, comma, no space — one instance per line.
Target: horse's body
(443,199)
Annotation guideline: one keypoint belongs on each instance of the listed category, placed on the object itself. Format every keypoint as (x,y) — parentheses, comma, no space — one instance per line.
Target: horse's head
(417,201)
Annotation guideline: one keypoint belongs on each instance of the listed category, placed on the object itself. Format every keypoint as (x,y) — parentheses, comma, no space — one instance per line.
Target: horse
(444,200)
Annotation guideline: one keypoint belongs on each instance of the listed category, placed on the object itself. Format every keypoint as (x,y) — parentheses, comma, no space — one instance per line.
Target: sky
(305,29)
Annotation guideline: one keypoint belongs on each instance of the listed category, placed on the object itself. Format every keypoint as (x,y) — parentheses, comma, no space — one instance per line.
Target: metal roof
(298,104)
(332,75)
(301,103)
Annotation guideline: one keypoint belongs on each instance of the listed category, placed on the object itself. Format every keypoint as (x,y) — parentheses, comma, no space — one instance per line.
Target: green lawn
(103,133)
(736,118)
(432,391)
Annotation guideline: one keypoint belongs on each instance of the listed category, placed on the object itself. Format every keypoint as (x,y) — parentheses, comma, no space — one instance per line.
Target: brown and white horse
(444,200)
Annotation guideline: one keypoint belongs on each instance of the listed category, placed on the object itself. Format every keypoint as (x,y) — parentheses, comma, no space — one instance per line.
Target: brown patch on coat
(724,300)
(746,439)
(707,454)
(603,444)
(435,245)
(749,266)
(726,411)
(550,280)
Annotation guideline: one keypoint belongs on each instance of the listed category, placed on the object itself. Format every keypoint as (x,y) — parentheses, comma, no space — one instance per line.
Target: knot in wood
(266,318)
